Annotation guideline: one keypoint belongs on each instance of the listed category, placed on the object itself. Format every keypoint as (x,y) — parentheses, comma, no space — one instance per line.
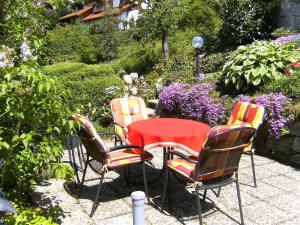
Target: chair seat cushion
(125,157)
(187,169)
(183,167)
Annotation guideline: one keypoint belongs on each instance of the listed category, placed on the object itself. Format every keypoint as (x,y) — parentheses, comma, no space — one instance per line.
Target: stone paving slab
(276,200)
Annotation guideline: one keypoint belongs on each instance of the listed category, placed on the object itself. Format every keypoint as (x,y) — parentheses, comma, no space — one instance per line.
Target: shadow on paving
(50,204)
(183,202)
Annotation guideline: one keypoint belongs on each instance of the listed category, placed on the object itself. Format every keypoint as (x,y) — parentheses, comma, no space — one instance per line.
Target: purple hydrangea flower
(275,104)
(285,39)
(243,98)
(192,102)
(169,95)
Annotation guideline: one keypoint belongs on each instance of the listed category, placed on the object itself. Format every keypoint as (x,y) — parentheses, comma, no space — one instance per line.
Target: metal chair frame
(103,171)
(215,183)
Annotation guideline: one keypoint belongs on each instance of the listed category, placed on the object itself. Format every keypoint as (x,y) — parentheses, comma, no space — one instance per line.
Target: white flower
(126,88)
(6,58)
(134,76)
(134,91)
(26,54)
(127,79)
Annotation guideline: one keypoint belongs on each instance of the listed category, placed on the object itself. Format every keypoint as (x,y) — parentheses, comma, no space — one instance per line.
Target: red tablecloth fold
(188,135)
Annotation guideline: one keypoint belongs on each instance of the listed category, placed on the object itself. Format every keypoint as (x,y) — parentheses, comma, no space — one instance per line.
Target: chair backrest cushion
(127,110)
(222,150)
(247,112)
(93,143)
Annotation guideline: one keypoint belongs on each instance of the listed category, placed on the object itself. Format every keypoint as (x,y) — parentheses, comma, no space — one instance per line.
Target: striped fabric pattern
(97,149)
(124,157)
(246,112)
(220,156)
(127,110)
(89,132)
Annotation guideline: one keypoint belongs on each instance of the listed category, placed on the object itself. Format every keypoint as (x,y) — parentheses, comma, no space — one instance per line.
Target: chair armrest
(124,147)
(185,157)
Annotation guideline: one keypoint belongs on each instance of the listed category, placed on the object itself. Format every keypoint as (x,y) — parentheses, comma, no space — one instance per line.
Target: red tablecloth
(160,132)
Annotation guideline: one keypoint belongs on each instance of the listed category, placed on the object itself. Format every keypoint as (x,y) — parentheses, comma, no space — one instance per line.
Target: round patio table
(188,135)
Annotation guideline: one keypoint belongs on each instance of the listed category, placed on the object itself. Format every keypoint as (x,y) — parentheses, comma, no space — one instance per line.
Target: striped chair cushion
(89,132)
(127,110)
(124,157)
(220,156)
(187,169)
(247,112)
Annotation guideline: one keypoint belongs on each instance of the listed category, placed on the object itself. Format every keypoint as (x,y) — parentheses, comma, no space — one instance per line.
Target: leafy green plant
(257,64)
(33,215)
(289,86)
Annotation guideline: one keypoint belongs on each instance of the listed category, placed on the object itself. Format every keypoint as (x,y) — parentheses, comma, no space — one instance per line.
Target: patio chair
(217,163)
(121,156)
(244,112)
(125,111)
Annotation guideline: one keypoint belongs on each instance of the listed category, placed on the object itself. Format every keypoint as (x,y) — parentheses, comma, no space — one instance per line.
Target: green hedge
(90,86)
(91,97)
(61,69)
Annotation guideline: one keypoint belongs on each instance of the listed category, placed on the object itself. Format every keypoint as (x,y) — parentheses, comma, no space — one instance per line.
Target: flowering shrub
(33,116)
(193,102)
(277,106)
(286,39)
(6,57)
(169,96)
(133,83)
(243,98)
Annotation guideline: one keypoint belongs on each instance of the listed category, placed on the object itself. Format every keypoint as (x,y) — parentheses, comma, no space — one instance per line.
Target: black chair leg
(204,195)
(83,176)
(97,195)
(169,192)
(145,182)
(164,190)
(239,199)
(219,191)
(253,169)
(127,176)
(199,205)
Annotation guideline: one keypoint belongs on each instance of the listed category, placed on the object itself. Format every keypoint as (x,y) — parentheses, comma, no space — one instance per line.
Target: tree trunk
(165,46)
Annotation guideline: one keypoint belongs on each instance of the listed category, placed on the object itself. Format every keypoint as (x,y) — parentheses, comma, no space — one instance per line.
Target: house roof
(114,12)
(76,14)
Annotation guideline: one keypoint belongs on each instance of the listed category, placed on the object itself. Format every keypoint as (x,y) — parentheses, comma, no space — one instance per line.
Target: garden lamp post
(197,43)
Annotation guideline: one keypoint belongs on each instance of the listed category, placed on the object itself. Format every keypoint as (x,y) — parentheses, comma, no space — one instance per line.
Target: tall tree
(160,21)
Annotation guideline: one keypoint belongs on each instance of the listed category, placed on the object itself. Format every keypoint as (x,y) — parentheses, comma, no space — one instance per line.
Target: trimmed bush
(61,69)
(90,87)
(91,97)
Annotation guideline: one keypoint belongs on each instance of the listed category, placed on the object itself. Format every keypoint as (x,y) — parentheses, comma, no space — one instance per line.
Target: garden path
(276,200)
